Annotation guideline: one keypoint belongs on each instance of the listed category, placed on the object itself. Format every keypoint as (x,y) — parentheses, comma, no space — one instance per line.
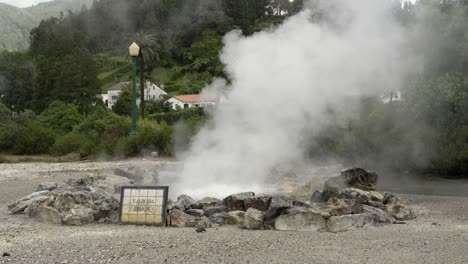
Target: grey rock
(234,218)
(349,222)
(181,219)
(253,219)
(300,219)
(353,178)
(50,186)
(48,214)
(204,222)
(218,218)
(260,202)
(184,202)
(195,212)
(210,201)
(379,214)
(278,204)
(20,205)
(235,202)
(209,211)
(336,206)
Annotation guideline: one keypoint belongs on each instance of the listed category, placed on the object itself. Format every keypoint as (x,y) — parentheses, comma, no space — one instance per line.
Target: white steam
(283,81)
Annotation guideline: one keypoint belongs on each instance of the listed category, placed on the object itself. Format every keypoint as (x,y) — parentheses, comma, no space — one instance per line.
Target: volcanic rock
(349,222)
(236,201)
(379,214)
(336,206)
(48,214)
(253,219)
(204,222)
(20,205)
(209,201)
(260,202)
(50,186)
(278,204)
(398,207)
(234,218)
(300,219)
(180,219)
(78,216)
(218,218)
(209,211)
(195,212)
(353,178)
(184,202)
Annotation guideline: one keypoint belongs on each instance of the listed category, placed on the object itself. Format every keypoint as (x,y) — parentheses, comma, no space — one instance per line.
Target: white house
(152,93)
(191,100)
(391,97)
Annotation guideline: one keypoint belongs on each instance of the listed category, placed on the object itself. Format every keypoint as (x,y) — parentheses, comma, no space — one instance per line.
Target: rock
(183,202)
(235,202)
(204,222)
(300,219)
(195,212)
(21,204)
(353,178)
(260,202)
(181,219)
(200,230)
(6,254)
(210,201)
(379,214)
(48,214)
(399,208)
(349,222)
(234,218)
(218,218)
(132,174)
(253,219)
(50,186)
(209,211)
(336,206)
(376,196)
(316,197)
(78,216)
(278,204)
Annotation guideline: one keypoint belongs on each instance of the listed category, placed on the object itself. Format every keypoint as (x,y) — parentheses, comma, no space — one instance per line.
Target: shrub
(60,117)
(173,117)
(128,146)
(36,140)
(72,142)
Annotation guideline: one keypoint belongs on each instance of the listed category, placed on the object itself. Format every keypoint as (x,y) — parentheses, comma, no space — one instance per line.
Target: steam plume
(282,82)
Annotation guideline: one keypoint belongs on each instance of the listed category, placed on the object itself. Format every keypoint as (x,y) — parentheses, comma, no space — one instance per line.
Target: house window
(186,106)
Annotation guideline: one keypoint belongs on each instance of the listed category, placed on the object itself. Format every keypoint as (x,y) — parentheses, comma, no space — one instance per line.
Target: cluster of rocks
(347,201)
(76,202)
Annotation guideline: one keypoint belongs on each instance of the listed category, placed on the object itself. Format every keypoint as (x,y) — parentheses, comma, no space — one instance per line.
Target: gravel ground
(438,235)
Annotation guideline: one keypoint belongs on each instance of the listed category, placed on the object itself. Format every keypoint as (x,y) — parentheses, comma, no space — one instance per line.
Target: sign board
(143,205)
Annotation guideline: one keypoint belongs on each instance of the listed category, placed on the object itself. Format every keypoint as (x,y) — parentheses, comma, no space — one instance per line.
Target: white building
(391,97)
(152,93)
(191,100)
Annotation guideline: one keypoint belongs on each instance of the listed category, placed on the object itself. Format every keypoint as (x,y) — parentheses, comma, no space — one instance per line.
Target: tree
(60,117)
(123,106)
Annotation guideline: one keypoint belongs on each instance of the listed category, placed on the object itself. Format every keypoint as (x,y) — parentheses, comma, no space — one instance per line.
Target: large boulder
(398,207)
(260,202)
(78,215)
(278,204)
(300,219)
(235,202)
(253,219)
(180,219)
(379,214)
(349,222)
(50,186)
(234,218)
(195,212)
(20,205)
(48,214)
(184,202)
(218,218)
(209,211)
(353,178)
(208,202)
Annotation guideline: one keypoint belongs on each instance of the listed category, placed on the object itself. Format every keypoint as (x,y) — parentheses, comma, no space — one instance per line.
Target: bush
(128,146)
(36,140)
(173,117)
(60,117)
(72,142)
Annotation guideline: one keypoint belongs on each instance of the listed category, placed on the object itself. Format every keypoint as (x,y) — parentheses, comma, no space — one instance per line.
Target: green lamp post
(134,52)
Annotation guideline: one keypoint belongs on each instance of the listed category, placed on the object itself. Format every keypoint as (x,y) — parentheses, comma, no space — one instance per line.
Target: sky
(23,3)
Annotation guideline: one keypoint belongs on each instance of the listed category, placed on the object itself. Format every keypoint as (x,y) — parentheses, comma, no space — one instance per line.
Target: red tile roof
(194,98)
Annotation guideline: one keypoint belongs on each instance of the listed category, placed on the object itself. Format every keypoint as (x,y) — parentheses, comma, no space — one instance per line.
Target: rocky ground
(438,235)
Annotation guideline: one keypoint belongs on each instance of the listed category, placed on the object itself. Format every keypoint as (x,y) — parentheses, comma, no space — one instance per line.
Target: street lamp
(134,52)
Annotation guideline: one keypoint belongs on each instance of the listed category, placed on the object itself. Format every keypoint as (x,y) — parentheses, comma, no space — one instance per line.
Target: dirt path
(438,235)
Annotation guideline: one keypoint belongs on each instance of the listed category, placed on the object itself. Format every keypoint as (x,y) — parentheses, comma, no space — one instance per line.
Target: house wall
(112,97)
(179,104)
(153,92)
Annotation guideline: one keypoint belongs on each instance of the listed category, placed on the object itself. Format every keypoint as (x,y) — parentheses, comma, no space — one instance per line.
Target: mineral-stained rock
(78,215)
(209,211)
(195,212)
(300,219)
(278,204)
(236,201)
(398,207)
(260,202)
(218,218)
(20,205)
(348,222)
(253,219)
(379,214)
(204,222)
(336,206)
(181,219)
(234,218)
(48,214)
(183,202)
(356,178)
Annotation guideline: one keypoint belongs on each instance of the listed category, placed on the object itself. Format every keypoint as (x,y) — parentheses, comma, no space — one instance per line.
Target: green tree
(60,117)
(123,106)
